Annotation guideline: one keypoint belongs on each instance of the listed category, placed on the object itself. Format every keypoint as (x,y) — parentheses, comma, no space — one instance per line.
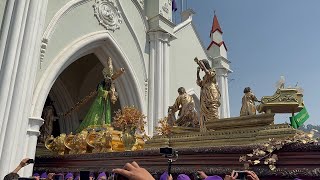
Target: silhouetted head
(206,64)
(246,90)
(181,90)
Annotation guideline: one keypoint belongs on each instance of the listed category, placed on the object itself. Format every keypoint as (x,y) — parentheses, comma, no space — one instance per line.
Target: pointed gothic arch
(103,45)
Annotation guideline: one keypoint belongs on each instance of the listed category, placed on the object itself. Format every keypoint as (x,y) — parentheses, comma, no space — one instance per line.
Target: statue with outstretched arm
(209,93)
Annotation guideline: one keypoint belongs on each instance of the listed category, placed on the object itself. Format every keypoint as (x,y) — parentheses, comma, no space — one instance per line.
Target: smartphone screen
(166,150)
(84,174)
(58,177)
(30,161)
(242,175)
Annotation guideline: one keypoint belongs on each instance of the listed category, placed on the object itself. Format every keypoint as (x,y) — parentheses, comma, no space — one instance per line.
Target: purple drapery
(174,6)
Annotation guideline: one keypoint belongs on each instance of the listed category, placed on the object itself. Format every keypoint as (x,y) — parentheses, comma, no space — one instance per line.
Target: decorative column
(166,72)
(151,83)
(32,136)
(227,96)
(221,79)
(158,78)
(19,54)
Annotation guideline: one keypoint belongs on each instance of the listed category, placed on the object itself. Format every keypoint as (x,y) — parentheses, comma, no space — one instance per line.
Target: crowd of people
(131,171)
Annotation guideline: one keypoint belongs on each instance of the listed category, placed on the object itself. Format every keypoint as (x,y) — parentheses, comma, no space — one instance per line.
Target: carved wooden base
(216,151)
(296,160)
(245,130)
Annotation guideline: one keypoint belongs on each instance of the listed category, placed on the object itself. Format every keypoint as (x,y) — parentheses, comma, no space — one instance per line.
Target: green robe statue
(100,111)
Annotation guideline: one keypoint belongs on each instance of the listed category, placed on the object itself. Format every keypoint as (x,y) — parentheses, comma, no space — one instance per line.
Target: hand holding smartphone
(30,161)
(242,175)
(58,177)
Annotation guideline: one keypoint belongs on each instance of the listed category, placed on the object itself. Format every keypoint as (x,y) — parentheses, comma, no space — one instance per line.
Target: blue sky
(266,39)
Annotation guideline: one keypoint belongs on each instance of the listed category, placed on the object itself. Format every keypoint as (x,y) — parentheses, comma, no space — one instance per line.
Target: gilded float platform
(216,151)
(295,160)
(245,130)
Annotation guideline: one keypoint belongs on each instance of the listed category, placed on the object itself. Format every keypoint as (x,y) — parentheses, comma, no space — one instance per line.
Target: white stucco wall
(216,37)
(223,51)
(53,8)
(214,51)
(183,69)
(2,7)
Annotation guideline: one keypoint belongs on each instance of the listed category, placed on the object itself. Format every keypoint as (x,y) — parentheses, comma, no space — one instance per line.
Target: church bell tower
(217,51)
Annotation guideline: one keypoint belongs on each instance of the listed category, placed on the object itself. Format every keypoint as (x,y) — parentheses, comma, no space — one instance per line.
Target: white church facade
(57,49)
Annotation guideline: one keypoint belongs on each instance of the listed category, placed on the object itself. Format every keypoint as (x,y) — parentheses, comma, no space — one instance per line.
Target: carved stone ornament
(107,14)
(165,8)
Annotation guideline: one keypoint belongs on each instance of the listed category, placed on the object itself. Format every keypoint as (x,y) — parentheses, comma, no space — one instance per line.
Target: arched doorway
(102,45)
(74,84)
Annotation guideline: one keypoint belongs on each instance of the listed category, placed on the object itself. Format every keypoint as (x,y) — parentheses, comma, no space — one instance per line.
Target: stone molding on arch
(61,97)
(84,45)
(135,37)
(75,3)
(52,25)
(107,14)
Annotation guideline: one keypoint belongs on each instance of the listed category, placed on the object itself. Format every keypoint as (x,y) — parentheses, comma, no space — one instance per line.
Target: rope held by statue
(80,103)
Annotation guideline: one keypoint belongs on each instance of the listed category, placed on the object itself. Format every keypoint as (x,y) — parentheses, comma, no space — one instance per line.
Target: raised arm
(22,164)
(199,81)
(255,98)
(176,105)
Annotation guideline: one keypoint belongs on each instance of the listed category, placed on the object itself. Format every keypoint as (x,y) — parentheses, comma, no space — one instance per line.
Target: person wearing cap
(44,176)
(215,177)
(36,176)
(182,177)
(164,176)
(91,176)
(69,176)
(102,176)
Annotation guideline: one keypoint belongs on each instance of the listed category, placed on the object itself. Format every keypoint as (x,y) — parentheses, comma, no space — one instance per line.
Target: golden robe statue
(248,107)
(209,94)
(185,104)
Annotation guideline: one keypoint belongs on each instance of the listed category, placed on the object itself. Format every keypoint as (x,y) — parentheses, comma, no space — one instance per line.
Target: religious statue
(248,107)
(99,113)
(46,128)
(209,94)
(185,104)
